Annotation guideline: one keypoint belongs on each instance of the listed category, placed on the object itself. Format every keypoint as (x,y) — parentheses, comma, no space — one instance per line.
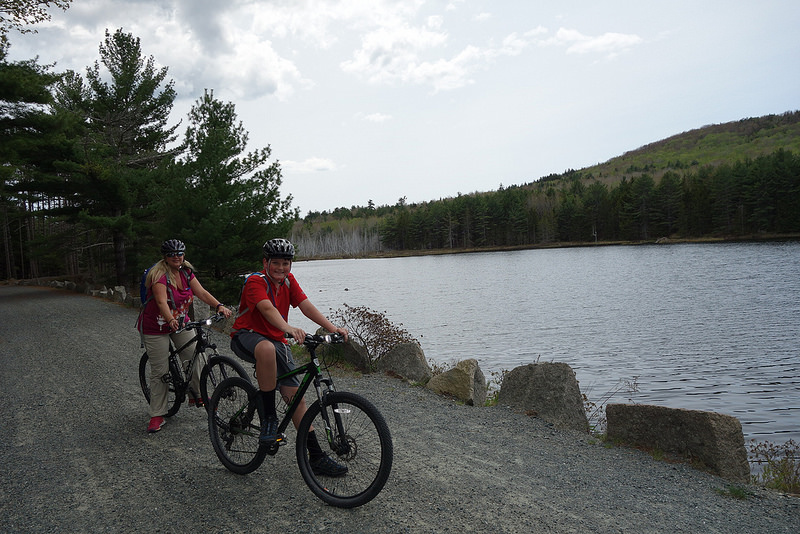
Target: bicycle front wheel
(173,398)
(234,426)
(217,369)
(354,434)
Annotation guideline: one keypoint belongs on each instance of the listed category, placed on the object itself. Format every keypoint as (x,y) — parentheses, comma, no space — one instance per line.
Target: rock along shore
(76,457)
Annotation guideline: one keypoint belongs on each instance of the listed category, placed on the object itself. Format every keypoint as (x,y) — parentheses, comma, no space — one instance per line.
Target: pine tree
(227,202)
(125,140)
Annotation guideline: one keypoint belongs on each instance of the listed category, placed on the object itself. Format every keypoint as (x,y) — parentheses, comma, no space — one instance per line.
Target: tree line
(751,196)
(94,177)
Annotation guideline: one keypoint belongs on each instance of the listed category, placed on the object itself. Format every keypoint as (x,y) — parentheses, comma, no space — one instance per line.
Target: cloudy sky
(377,99)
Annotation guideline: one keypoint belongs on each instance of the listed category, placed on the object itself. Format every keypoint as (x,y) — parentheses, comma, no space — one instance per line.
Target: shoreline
(567,244)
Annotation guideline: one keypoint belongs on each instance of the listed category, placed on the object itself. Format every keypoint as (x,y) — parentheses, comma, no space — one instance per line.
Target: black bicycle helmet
(172,245)
(279,248)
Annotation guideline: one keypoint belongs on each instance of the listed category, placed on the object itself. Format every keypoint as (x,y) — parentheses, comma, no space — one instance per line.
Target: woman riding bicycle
(259,337)
(171,286)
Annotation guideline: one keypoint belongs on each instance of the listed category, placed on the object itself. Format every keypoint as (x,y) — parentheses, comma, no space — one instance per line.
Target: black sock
(312,444)
(268,399)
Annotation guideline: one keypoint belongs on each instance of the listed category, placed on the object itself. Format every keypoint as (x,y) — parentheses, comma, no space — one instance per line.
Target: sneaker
(155,424)
(326,466)
(269,431)
(198,402)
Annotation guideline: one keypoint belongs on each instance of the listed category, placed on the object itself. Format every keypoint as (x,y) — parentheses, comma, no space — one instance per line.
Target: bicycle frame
(202,343)
(174,352)
(312,374)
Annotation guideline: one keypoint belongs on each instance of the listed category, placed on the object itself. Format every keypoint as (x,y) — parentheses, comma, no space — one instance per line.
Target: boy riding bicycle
(259,336)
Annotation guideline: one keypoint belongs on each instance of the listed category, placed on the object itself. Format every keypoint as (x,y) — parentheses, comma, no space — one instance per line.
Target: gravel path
(76,457)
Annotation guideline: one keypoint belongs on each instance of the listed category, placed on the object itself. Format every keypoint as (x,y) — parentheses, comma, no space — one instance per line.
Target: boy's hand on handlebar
(298,334)
(343,331)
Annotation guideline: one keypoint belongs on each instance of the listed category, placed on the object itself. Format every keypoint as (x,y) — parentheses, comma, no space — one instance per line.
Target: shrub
(596,411)
(494,385)
(371,329)
(778,465)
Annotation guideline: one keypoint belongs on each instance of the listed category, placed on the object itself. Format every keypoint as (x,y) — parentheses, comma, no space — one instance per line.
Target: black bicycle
(216,368)
(355,432)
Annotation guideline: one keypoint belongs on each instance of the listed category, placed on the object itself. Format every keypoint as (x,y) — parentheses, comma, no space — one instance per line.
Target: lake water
(699,326)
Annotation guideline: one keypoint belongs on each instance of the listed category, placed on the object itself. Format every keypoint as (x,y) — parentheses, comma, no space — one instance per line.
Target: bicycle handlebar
(208,321)
(316,339)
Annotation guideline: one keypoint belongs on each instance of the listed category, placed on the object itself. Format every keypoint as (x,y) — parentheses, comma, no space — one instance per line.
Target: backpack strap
(270,291)
(170,298)
(170,295)
(241,312)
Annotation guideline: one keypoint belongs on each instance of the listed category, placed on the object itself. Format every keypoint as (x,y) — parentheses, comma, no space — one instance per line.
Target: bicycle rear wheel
(217,369)
(234,426)
(357,438)
(174,399)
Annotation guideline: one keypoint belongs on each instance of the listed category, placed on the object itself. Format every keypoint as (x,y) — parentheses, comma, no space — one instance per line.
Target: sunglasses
(173,254)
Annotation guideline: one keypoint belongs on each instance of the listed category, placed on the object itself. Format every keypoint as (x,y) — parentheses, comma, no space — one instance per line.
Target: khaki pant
(157,348)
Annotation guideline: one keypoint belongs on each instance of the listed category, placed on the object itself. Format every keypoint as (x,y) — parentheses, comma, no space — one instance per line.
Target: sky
(378,100)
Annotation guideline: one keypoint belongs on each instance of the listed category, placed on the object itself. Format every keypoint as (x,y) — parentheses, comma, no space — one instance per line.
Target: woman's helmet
(279,248)
(172,245)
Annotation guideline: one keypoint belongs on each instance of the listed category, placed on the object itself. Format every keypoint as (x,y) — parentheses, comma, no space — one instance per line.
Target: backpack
(143,286)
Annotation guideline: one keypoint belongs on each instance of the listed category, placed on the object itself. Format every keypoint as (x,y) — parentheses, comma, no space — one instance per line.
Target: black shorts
(243,344)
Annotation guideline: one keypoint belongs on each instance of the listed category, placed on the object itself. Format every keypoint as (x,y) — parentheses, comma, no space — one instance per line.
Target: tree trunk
(119,258)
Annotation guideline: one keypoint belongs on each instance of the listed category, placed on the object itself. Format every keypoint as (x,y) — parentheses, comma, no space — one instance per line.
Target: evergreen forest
(94,177)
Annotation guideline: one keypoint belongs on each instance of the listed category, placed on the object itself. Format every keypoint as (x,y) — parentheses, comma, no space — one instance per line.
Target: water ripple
(707,327)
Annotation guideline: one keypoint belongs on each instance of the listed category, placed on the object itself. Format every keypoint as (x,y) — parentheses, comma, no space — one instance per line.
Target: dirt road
(76,457)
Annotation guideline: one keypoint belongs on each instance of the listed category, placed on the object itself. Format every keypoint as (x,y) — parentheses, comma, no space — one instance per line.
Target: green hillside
(736,180)
(710,145)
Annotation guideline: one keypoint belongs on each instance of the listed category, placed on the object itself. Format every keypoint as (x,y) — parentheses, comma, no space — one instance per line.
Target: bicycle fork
(335,432)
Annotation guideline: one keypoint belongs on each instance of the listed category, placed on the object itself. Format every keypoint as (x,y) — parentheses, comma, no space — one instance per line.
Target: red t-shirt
(256,289)
(152,322)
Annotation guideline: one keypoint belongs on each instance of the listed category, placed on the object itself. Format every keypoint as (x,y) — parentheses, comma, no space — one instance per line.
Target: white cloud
(374,117)
(399,55)
(435,22)
(608,44)
(309,165)
(388,54)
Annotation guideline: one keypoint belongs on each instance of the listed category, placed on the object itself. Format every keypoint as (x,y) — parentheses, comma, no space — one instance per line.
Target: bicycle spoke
(364,449)
(234,426)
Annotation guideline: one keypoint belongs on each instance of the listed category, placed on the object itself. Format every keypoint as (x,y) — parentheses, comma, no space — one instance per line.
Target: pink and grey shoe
(155,424)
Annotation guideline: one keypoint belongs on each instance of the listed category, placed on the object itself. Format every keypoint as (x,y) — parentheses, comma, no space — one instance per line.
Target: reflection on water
(703,326)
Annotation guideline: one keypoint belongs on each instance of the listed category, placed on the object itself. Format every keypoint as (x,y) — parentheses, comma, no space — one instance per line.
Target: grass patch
(735,492)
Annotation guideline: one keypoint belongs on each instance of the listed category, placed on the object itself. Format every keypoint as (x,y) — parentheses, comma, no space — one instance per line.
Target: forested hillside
(726,180)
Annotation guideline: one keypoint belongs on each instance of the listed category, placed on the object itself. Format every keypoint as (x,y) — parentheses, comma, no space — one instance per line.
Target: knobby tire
(366,450)
(234,426)
(217,369)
